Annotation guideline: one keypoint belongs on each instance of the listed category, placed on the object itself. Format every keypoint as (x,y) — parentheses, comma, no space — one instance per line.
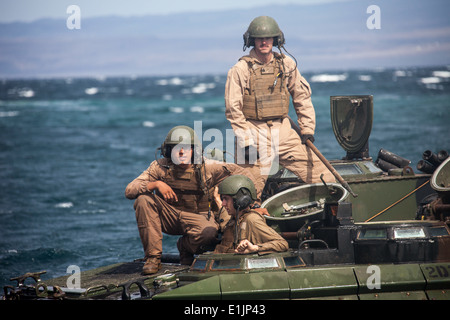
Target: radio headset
(278,41)
(242,199)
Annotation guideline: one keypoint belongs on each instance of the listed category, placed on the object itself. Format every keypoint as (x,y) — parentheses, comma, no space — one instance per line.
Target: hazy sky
(30,10)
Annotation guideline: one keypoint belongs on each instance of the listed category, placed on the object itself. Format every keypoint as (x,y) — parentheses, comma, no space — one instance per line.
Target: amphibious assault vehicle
(382,234)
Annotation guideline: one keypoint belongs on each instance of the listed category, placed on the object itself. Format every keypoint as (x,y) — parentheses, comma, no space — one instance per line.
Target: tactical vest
(189,187)
(267,96)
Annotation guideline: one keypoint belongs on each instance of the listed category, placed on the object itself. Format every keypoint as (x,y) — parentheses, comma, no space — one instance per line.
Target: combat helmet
(182,135)
(240,188)
(263,27)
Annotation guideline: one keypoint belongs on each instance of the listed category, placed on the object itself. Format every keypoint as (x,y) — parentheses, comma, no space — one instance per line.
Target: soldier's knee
(144,200)
(209,234)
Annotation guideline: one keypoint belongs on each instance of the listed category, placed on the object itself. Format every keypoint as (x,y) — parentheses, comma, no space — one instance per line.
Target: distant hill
(323,36)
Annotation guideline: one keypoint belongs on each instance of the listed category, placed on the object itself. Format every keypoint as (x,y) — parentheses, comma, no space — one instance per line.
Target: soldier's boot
(153,260)
(152,265)
(186,257)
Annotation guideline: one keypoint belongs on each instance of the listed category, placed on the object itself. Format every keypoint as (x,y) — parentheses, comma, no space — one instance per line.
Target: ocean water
(69,147)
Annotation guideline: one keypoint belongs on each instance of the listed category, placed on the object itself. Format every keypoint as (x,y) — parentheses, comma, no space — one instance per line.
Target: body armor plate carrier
(267,96)
(188,186)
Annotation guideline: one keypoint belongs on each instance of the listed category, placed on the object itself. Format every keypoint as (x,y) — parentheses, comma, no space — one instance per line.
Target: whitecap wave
(441,74)
(176,109)
(26,93)
(21,92)
(5,114)
(328,78)
(149,124)
(64,205)
(197,109)
(91,91)
(203,87)
(437,81)
(401,73)
(162,82)
(430,80)
(174,81)
(365,77)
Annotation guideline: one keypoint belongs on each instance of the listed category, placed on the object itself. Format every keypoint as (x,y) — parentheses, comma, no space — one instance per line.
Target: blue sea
(70,146)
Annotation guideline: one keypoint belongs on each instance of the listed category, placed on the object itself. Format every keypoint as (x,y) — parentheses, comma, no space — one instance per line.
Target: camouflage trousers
(154,216)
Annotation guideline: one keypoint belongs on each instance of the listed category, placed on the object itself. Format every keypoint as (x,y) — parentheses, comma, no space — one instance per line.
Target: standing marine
(257,97)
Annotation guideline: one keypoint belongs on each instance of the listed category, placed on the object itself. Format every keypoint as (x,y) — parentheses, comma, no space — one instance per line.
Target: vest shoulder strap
(279,56)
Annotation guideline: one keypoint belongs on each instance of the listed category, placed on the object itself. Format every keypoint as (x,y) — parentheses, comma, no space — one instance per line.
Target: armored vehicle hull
(389,260)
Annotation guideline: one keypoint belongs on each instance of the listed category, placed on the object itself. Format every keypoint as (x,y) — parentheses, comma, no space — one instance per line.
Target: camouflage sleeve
(300,91)
(225,169)
(139,185)
(234,92)
(216,172)
(260,234)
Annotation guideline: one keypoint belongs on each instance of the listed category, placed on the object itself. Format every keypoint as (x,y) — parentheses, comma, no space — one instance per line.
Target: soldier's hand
(251,154)
(306,137)
(246,246)
(167,192)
